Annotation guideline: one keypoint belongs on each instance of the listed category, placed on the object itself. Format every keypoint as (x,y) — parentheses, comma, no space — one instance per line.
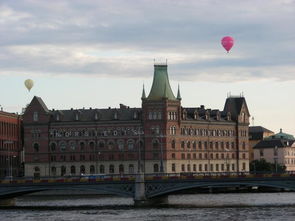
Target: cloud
(121,38)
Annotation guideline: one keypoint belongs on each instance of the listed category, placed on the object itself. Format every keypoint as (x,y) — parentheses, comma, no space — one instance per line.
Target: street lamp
(161,149)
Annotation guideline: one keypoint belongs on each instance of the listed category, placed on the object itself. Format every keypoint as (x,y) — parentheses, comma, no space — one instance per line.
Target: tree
(262,165)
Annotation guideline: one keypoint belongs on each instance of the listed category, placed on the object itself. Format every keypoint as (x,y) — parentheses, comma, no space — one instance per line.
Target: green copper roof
(281,135)
(161,87)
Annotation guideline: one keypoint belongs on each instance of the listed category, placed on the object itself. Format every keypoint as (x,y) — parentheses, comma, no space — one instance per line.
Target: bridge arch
(160,189)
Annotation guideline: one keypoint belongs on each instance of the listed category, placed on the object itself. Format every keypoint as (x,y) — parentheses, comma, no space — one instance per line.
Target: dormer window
(35,116)
(228,116)
(196,115)
(96,116)
(135,115)
(115,115)
(76,116)
(57,117)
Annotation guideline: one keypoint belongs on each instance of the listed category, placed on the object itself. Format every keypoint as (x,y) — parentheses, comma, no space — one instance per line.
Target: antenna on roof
(166,61)
(252,121)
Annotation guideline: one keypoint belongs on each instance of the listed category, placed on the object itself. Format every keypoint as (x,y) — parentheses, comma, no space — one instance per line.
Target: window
(155,144)
(194,167)
(217,167)
(112,169)
(111,145)
(121,168)
(244,166)
(182,167)
(182,144)
(173,167)
(261,153)
(156,168)
(131,169)
(53,171)
(101,169)
(173,156)
(173,144)
(130,144)
(35,116)
(82,145)
(36,147)
(91,145)
(183,156)
(121,145)
(92,170)
(63,170)
(200,167)
(188,167)
(73,170)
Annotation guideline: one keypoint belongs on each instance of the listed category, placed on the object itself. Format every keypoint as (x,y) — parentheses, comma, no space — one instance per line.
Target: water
(239,206)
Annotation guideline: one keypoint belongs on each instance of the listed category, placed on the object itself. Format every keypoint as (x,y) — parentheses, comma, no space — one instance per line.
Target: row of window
(207,167)
(212,156)
(73,170)
(155,115)
(204,145)
(8,129)
(91,157)
(91,132)
(81,145)
(206,132)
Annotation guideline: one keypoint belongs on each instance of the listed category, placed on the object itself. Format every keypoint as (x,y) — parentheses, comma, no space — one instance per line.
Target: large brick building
(161,136)
(10,144)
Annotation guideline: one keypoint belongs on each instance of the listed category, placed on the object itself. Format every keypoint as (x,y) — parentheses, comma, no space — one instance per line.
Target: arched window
(155,144)
(35,116)
(101,144)
(36,147)
(92,170)
(82,169)
(92,145)
(101,169)
(156,168)
(131,169)
(63,170)
(173,144)
(130,144)
(121,168)
(53,147)
(72,145)
(112,169)
(111,145)
(62,145)
(73,170)
(121,145)
(82,145)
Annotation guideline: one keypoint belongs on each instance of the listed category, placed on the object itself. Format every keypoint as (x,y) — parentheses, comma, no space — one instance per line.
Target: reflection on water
(241,206)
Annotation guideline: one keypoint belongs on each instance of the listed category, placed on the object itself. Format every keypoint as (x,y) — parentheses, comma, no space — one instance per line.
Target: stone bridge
(143,188)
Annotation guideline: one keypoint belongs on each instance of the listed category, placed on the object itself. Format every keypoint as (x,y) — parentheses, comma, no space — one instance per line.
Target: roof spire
(178,93)
(161,85)
(143,93)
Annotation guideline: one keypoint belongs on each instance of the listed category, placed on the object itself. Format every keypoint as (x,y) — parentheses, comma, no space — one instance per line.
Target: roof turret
(161,87)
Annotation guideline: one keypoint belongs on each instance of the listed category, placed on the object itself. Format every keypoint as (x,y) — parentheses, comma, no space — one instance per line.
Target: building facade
(278,149)
(257,134)
(161,136)
(10,144)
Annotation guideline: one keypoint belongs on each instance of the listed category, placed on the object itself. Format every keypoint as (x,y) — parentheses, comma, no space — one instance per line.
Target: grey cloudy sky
(66,42)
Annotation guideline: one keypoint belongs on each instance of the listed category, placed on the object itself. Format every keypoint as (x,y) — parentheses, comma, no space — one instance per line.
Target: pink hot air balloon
(227,42)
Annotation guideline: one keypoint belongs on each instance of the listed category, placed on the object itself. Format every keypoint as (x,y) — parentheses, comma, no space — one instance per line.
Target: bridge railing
(129,177)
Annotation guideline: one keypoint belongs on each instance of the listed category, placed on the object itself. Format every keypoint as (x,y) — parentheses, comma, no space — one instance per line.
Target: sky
(85,53)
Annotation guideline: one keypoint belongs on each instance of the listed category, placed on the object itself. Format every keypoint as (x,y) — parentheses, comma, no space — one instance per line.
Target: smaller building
(10,144)
(257,134)
(278,149)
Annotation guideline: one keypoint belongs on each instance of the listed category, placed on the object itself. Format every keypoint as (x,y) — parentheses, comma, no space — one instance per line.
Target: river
(230,206)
